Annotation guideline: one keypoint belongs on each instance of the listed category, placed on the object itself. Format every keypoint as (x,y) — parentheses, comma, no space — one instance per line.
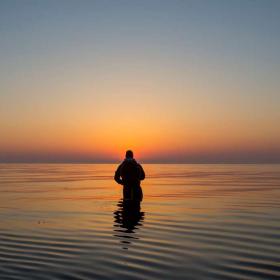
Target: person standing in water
(130,174)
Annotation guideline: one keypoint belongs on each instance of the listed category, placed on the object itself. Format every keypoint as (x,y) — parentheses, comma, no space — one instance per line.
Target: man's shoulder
(119,166)
(140,166)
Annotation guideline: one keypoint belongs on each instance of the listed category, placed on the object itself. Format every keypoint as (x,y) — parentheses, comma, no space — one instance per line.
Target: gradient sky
(177,81)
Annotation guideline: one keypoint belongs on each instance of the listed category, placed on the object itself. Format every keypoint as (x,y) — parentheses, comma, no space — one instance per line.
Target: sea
(196,221)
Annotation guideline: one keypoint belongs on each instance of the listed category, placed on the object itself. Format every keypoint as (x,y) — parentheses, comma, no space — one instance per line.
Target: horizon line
(142,162)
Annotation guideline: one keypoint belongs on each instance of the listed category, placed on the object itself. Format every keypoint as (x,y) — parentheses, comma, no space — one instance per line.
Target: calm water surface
(63,221)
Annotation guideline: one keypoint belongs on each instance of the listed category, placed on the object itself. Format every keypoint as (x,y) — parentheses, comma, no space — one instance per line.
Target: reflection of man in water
(128,219)
(129,174)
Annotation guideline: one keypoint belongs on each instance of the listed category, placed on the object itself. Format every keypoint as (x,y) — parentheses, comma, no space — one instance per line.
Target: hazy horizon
(149,161)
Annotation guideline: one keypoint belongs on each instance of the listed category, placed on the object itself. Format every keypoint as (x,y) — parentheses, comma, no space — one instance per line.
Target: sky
(176,81)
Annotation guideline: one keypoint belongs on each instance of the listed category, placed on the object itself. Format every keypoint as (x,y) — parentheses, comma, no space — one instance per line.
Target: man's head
(129,154)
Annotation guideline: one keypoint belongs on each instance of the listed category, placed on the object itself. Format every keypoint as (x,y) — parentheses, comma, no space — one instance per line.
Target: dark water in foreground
(196,222)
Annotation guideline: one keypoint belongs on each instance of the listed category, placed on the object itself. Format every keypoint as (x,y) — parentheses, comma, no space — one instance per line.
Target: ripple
(196,222)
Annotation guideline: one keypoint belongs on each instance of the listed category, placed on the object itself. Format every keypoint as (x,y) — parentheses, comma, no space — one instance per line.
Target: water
(195,222)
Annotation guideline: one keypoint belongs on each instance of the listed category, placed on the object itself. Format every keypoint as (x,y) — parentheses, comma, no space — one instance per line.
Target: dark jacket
(129,173)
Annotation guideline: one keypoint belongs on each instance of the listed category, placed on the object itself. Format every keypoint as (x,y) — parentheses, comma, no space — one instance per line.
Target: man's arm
(117,176)
(141,173)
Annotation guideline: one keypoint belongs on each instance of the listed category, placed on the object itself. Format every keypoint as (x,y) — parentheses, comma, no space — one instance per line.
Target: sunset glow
(78,83)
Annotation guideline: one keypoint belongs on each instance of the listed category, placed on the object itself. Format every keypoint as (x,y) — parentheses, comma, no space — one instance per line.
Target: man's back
(129,173)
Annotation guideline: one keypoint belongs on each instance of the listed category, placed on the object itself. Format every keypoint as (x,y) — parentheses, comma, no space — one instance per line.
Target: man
(130,174)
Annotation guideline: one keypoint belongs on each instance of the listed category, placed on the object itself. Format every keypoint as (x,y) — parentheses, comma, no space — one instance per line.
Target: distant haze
(176,81)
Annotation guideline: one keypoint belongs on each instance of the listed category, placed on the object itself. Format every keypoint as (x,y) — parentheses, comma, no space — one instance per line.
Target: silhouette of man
(129,174)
